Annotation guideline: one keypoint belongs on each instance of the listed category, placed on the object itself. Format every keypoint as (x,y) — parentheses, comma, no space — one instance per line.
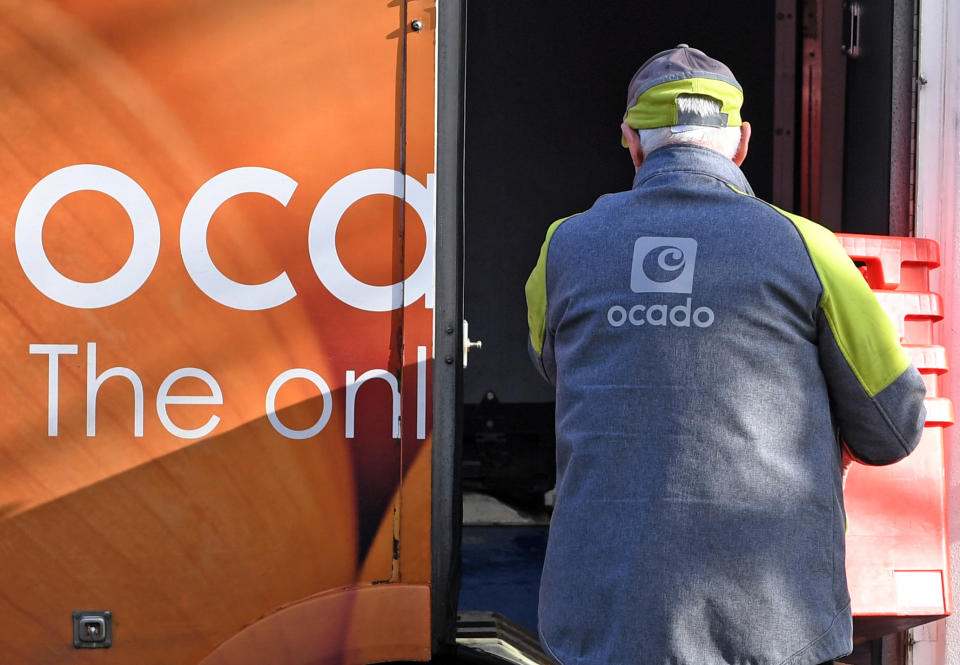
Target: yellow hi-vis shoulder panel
(865,334)
(536,290)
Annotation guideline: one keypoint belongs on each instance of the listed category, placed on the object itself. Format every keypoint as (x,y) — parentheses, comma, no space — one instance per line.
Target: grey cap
(698,71)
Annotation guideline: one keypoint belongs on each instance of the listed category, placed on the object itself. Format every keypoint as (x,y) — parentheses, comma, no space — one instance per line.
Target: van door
(217,215)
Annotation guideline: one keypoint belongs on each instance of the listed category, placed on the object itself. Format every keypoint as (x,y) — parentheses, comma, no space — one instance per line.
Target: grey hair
(724,140)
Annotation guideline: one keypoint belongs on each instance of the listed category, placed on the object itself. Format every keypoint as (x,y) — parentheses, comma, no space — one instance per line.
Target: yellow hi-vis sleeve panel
(864,333)
(536,290)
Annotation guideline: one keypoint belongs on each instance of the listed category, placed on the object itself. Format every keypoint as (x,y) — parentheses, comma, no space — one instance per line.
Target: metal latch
(851,29)
(92,629)
(469,343)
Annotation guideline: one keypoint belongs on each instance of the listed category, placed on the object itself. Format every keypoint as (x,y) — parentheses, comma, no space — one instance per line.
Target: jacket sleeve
(540,338)
(876,394)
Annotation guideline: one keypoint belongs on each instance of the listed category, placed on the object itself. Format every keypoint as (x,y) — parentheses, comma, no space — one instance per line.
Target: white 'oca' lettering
(209,197)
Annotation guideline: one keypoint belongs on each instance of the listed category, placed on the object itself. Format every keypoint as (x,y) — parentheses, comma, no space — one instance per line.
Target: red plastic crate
(897,558)
(913,313)
(893,263)
(897,525)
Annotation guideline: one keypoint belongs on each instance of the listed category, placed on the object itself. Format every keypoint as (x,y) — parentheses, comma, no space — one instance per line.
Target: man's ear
(633,144)
(741,153)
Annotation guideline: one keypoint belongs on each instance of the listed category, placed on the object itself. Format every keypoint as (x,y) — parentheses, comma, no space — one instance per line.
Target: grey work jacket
(707,350)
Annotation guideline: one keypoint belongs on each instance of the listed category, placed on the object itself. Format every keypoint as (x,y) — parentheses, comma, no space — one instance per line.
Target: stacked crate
(897,557)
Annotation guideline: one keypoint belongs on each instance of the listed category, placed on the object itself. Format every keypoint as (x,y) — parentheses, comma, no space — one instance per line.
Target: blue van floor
(501,570)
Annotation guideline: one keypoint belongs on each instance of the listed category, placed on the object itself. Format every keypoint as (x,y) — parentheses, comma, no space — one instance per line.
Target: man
(710,352)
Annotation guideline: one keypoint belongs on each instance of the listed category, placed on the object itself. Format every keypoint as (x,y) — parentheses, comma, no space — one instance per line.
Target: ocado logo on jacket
(662,265)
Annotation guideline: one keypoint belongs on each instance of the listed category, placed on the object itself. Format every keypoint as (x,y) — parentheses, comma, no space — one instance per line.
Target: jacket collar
(691,159)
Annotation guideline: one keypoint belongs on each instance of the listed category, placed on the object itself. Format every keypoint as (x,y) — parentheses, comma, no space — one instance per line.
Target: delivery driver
(709,353)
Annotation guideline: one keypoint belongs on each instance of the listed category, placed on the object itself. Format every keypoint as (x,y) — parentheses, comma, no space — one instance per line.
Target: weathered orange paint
(192,542)
(351,626)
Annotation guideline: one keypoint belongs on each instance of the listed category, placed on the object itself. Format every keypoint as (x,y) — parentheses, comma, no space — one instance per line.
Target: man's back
(695,336)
